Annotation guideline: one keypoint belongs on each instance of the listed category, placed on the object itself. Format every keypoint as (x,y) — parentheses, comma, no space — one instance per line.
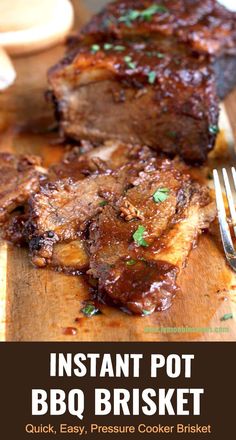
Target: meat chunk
(61,211)
(14,228)
(144,17)
(77,165)
(205,26)
(130,224)
(138,93)
(20,177)
(70,257)
(137,261)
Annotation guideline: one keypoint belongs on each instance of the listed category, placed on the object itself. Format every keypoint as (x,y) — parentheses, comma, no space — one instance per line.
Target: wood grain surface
(40,305)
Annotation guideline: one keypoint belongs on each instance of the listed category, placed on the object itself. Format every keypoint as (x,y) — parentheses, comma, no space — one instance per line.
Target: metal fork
(222,217)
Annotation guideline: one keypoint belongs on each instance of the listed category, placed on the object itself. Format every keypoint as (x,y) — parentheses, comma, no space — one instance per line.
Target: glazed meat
(206,27)
(132,226)
(61,211)
(20,177)
(77,164)
(14,228)
(127,18)
(138,93)
(147,72)
(129,222)
(139,245)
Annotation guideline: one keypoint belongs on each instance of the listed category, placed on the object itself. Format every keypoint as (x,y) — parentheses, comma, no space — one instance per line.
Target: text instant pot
(115,400)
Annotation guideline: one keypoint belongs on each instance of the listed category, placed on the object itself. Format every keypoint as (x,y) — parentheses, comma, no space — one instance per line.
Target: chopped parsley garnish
(130,63)
(131,262)
(119,48)
(107,46)
(152,77)
(161,194)
(90,310)
(177,61)
(153,9)
(160,55)
(147,312)
(155,54)
(95,48)
(138,236)
(146,14)
(129,17)
(214,129)
(227,316)
(103,203)
(172,134)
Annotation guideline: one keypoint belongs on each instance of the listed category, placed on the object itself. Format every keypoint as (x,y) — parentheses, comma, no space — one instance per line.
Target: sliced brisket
(137,257)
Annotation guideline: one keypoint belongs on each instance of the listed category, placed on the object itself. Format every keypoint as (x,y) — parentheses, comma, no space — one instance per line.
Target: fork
(227,241)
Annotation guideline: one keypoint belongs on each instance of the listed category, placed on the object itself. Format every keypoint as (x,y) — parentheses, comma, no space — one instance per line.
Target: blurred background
(95,5)
(28,27)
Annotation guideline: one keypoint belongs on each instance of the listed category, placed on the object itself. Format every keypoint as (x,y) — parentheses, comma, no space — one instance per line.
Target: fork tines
(222,216)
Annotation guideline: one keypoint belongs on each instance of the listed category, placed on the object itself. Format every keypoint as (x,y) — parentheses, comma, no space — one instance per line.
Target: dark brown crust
(172,113)
(206,26)
(19,178)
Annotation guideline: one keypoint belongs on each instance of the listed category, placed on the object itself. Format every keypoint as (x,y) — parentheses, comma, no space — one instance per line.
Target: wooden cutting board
(41,305)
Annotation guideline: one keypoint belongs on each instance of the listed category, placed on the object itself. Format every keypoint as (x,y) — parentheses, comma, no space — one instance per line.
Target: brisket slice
(142,277)
(19,178)
(73,225)
(138,93)
(205,26)
(62,210)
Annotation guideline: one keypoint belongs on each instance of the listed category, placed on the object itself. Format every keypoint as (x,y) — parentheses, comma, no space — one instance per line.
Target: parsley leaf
(138,236)
(160,195)
(155,54)
(95,48)
(152,77)
(131,262)
(103,203)
(147,312)
(160,55)
(172,134)
(119,48)
(227,316)
(129,17)
(130,63)
(153,9)
(90,310)
(213,129)
(146,14)
(107,46)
